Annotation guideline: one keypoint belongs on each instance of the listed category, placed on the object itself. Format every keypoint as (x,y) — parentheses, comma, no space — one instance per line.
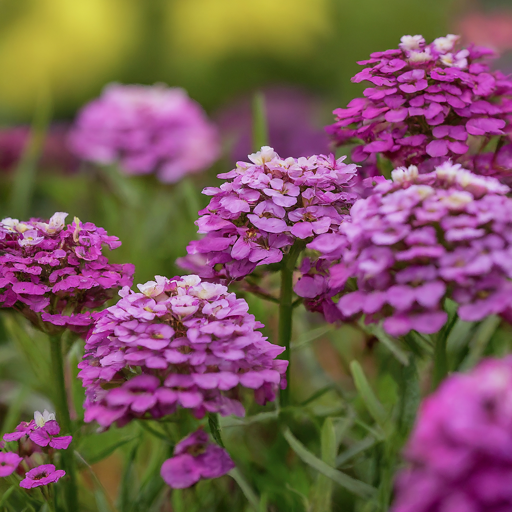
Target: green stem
(64,419)
(440,361)
(286,313)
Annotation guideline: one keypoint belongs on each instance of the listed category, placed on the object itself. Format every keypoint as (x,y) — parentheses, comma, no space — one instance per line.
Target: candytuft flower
(195,458)
(146,129)
(264,207)
(45,417)
(426,100)
(56,274)
(459,452)
(42,475)
(9,462)
(419,239)
(183,343)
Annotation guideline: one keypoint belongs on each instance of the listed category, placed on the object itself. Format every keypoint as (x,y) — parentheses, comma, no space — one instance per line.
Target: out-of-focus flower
(493,30)
(418,239)
(42,475)
(55,154)
(195,458)
(264,207)
(180,342)
(291,116)
(146,129)
(42,430)
(426,100)
(460,451)
(54,273)
(9,462)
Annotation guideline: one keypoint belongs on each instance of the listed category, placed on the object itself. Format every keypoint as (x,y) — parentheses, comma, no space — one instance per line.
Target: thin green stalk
(63,416)
(440,361)
(286,313)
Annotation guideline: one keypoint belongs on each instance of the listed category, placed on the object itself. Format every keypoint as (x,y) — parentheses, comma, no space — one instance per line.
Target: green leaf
(109,450)
(213,422)
(259,122)
(410,397)
(375,408)
(354,450)
(6,495)
(247,490)
(479,341)
(322,490)
(390,343)
(128,482)
(356,487)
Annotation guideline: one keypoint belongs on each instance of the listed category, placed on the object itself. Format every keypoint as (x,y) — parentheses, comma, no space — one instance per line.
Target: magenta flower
(9,462)
(146,129)
(43,431)
(264,207)
(55,274)
(195,458)
(45,474)
(182,343)
(424,101)
(419,239)
(460,452)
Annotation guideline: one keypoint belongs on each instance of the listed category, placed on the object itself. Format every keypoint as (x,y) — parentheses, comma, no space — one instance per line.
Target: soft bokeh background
(55,55)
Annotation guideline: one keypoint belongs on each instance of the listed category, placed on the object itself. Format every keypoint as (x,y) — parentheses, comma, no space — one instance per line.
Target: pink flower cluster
(426,100)
(264,207)
(195,458)
(419,239)
(146,129)
(41,432)
(55,273)
(460,451)
(179,342)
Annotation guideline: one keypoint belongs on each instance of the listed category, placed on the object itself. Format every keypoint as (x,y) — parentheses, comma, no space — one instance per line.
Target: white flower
(42,419)
(418,57)
(459,60)
(401,174)
(208,290)
(445,44)
(14,225)
(409,43)
(265,155)
(30,237)
(153,288)
(190,280)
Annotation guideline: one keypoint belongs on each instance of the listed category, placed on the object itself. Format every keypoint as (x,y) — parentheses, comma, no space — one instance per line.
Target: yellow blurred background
(214,48)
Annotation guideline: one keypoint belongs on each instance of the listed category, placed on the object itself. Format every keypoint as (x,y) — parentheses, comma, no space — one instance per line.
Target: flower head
(43,431)
(146,129)
(419,239)
(195,458)
(9,462)
(42,475)
(264,207)
(425,100)
(55,274)
(459,454)
(185,343)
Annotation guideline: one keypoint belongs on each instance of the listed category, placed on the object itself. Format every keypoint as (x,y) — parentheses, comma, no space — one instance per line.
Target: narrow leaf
(259,122)
(354,450)
(213,422)
(390,343)
(356,487)
(322,491)
(109,450)
(375,408)
(480,340)
(247,490)
(5,497)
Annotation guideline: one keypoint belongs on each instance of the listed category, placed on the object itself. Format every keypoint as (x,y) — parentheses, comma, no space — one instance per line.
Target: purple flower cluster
(146,129)
(180,342)
(41,432)
(427,100)
(264,207)
(460,451)
(54,274)
(195,458)
(419,239)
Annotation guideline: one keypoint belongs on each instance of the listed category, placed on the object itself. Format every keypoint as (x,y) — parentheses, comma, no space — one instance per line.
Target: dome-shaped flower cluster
(420,238)
(264,207)
(195,458)
(146,129)
(427,100)
(55,273)
(460,451)
(179,342)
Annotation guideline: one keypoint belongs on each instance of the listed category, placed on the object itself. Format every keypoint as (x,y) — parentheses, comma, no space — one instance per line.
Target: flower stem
(64,419)
(286,313)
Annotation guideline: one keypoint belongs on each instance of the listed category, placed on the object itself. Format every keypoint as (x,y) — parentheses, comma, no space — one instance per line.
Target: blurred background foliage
(55,55)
